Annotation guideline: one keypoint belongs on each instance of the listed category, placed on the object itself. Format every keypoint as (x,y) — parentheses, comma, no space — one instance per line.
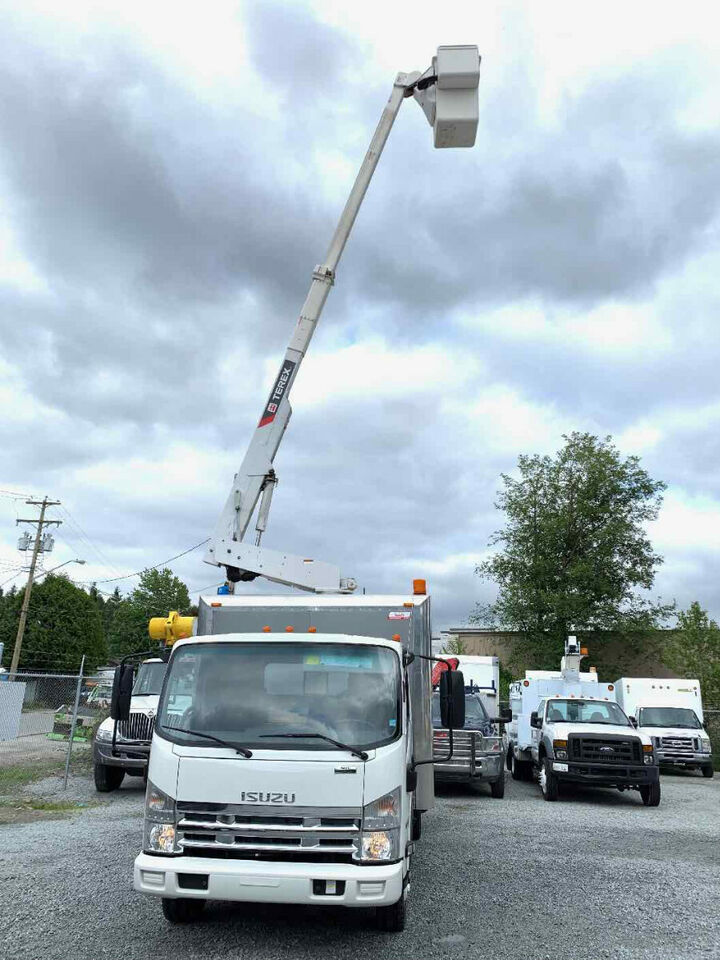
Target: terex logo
(278,390)
(251,796)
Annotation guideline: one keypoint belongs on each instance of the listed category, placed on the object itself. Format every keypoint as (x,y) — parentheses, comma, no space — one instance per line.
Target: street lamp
(24,611)
(46,572)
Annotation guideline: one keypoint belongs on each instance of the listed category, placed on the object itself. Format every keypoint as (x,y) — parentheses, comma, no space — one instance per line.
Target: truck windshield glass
(249,693)
(586,711)
(476,717)
(669,717)
(149,679)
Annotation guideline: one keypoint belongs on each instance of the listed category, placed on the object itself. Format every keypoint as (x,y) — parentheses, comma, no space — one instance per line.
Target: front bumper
(486,768)
(267,882)
(607,775)
(130,756)
(672,759)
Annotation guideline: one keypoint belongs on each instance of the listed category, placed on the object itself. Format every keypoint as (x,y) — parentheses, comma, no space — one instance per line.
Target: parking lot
(596,875)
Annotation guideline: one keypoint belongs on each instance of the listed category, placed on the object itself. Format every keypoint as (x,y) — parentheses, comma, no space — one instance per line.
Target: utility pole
(41,522)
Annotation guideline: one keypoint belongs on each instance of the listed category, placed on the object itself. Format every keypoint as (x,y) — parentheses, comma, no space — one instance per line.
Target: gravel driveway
(594,876)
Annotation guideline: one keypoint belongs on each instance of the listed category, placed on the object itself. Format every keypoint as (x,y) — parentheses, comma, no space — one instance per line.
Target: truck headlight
(104,733)
(380,837)
(648,754)
(705,745)
(160,838)
(560,749)
(160,835)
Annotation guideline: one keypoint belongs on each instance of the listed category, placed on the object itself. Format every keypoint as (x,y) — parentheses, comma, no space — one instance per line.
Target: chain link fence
(51,718)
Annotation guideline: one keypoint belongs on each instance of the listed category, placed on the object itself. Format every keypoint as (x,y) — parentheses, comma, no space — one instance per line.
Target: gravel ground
(594,876)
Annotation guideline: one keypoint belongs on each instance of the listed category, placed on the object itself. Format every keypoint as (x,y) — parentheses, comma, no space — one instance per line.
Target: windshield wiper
(208,736)
(320,736)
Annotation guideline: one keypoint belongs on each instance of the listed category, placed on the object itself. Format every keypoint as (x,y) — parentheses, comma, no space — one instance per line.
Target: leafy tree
(158,592)
(694,650)
(63,624)
(455,647)
(574,552)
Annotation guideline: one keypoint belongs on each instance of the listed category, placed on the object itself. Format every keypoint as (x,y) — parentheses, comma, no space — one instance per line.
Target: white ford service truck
(568,728)
(671,712)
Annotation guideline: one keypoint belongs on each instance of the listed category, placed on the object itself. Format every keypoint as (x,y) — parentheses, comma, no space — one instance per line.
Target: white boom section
(256,477)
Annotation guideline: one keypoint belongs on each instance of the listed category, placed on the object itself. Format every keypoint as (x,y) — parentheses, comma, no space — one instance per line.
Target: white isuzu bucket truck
(671,712)
(292,750)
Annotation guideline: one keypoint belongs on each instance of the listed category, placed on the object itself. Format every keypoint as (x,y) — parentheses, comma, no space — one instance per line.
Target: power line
(154,567)
(104,560)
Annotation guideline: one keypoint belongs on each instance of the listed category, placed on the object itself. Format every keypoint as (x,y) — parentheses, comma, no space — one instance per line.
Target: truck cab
(291,763)
(671,713)
(125,749)
(478,754)
(591,741)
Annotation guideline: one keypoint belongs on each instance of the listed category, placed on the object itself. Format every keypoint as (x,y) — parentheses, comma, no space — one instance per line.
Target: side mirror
(121,692)
(506,714)
(452,699)
(535,720)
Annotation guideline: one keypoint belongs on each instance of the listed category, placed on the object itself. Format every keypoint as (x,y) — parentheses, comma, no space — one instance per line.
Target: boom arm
(255,480)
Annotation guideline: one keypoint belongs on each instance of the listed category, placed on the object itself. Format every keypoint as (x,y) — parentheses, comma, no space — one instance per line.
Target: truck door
(536,734)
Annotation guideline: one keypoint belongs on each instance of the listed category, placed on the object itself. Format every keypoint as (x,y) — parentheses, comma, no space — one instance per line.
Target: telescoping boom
(448,94)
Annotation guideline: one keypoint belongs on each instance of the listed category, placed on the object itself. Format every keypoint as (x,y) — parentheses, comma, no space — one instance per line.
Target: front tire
(547,780)
(651,794)
(707,771)
(391,919)
(497,788)
(107,778)
(518,768)
(182,910)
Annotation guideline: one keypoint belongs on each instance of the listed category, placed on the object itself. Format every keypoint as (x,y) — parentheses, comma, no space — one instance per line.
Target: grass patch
(49,806)
(19,775)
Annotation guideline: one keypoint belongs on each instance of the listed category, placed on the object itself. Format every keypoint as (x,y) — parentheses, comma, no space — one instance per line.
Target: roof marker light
(289,629)
(526,683)
(312,629)
(396,637)
(216,603)
(266,629)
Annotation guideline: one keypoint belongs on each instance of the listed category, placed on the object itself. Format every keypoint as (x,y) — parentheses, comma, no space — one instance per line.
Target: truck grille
(678,747)
(596,748)
(467,745)
(249,832)
(138,727)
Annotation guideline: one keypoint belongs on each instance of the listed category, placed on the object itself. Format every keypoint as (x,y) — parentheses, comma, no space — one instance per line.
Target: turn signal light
(647,748)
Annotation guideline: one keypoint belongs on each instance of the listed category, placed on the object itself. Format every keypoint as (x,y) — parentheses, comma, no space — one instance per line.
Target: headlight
(159,807)
(104,733)
(648,755)
(380,837)
(561,754)
(160,838)
(560,749)
(705,745)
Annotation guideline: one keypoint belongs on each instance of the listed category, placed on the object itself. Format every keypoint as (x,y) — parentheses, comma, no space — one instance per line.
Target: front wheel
(107,778)
(518,768)
(182,910)
(651,794)
(392,919)
(497,788)
(547,780)
(707,771)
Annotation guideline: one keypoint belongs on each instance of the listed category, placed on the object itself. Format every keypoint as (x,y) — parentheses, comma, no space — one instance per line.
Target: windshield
(149,679)
(586,711)
(249,693)
(669,717)
(476,717)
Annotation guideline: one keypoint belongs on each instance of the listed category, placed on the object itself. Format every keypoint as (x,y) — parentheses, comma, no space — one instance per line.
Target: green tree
(574,553)
(157,593)
(63,624)
(455,647)
(694,650)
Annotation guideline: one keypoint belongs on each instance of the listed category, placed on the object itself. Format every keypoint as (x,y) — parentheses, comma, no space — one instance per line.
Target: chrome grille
(468,745)
(678,747)
(247,832)
(138,727)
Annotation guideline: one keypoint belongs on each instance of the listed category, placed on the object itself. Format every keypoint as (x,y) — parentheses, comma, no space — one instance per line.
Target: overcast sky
(170,174)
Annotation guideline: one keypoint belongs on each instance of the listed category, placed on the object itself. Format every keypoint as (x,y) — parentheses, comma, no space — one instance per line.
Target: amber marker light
(266,629)
(312,629)
(396,637)
(289,629)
